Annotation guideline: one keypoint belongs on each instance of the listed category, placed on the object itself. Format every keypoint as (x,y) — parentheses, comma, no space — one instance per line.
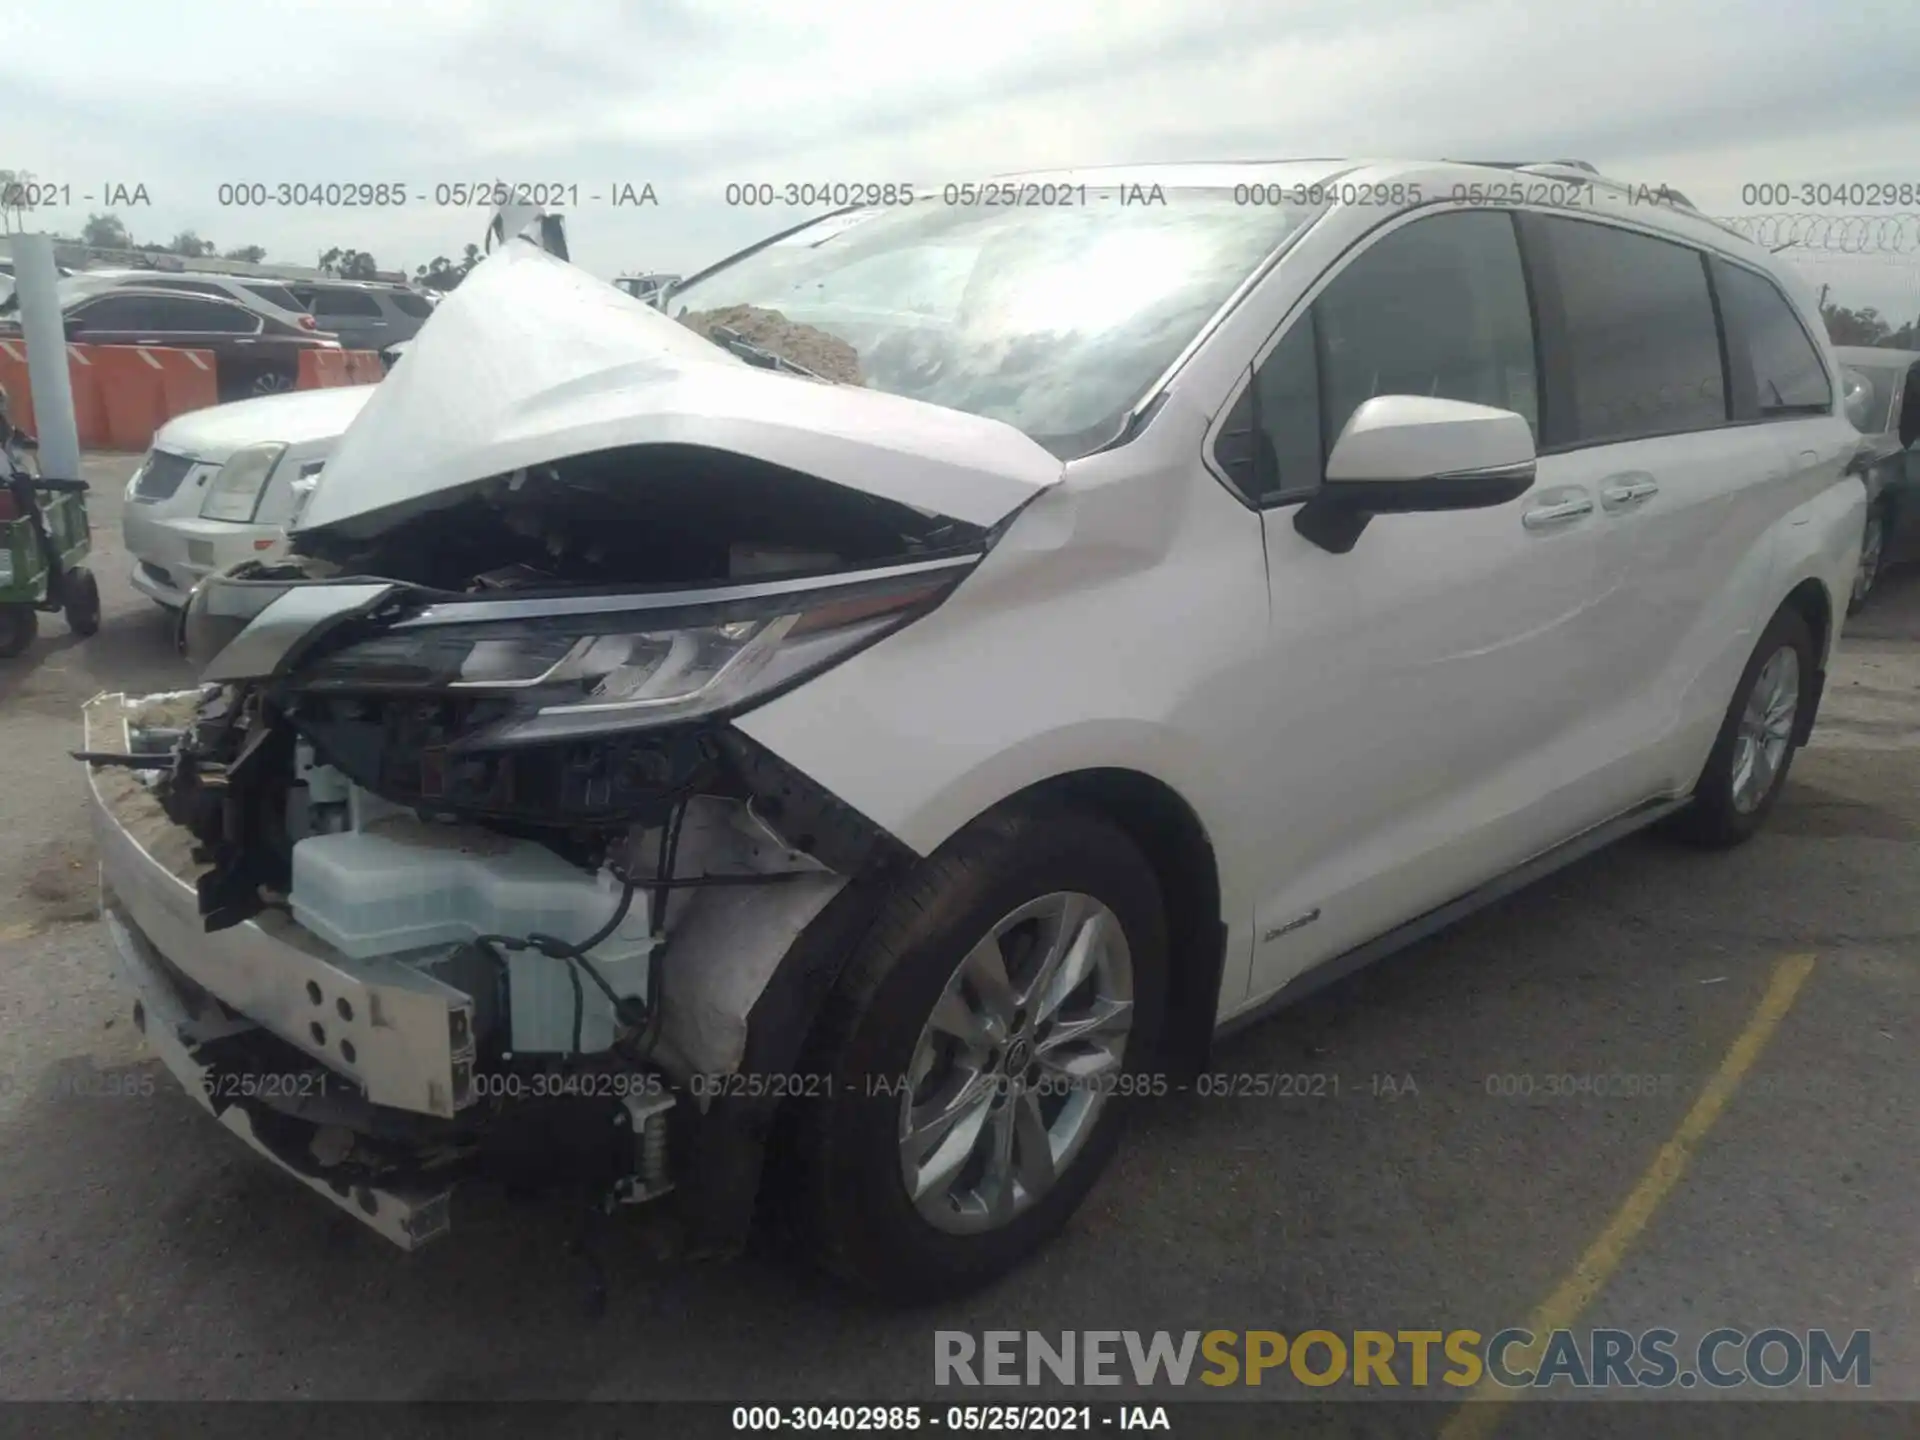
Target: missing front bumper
(176,1030)
(750,966)
(405,1038)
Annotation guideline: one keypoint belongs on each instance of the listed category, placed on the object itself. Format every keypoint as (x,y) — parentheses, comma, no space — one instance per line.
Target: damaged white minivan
(830,750)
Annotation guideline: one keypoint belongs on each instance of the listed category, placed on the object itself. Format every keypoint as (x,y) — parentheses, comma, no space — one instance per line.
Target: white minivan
(760,792)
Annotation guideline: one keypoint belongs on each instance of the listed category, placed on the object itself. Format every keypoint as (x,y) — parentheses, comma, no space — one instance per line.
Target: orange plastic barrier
(88,411)
(122,394)
(142,387)
(190,379)
(324,369)
(321,369)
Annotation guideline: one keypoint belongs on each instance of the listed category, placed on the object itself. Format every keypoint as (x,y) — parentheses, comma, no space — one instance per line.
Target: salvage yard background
(148,1255)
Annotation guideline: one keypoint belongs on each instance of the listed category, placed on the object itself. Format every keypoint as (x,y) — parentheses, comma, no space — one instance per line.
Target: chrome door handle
(1623,490)
(1559,512)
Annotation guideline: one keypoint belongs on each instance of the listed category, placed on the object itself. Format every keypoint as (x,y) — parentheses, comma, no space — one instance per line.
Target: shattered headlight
(235,491)
(572,665)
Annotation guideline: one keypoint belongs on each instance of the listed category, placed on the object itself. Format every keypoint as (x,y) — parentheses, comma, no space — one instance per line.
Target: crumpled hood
(532,360)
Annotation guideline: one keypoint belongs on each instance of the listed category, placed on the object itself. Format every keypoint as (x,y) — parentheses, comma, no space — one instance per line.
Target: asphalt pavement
(1441,1180)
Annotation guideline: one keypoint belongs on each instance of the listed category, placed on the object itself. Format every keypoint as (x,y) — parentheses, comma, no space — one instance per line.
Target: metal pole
(35,283)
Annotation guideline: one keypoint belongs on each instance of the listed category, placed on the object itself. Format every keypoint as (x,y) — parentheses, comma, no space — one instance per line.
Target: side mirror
(1407,454)
(1858,402)
(73,325)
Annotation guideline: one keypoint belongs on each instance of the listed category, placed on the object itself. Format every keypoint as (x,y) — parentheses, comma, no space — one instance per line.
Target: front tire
(1747,767)
(271,382)
(82,594)
(983,1044)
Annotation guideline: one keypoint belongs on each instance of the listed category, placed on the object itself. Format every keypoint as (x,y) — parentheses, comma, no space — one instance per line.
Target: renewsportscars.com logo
(1596,1359)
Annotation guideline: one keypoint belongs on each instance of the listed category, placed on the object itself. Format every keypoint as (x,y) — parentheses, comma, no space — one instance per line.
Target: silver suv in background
(1889,459)
(364,314)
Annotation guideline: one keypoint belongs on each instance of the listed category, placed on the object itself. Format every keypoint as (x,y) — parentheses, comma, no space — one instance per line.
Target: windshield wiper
(735,343)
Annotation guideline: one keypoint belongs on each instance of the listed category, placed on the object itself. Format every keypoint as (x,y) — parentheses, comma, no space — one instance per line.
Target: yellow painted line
(1481,1411)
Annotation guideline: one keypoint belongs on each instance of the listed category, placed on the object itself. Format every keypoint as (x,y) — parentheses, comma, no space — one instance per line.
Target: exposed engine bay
(415,799)
(487,747)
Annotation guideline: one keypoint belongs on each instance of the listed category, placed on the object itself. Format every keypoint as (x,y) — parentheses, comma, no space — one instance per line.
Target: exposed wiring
(579,998)
(576,956)
(663,872)
(642,1015)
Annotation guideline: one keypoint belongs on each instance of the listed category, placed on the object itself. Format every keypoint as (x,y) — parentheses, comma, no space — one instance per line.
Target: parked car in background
(254,354)
(6,278)
(266,297)
(220,484)
(1889,461)
(365,315)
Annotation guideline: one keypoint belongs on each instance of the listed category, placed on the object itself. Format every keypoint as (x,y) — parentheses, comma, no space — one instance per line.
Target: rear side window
(344,302)
(1777,370)
(1640,342)
(275,295)
(1438,307)
(204,317)
(120,312)
(410,304)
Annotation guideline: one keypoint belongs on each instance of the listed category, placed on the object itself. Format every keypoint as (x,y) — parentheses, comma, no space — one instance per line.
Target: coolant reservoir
(404,884)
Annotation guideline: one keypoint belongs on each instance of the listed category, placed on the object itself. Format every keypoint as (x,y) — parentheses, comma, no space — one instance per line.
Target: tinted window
(344,302)
(1438,307)
(120,312)
(410,304)
(1780,368)
(1641,341)
(275,295)
(204,317)
(1287,391)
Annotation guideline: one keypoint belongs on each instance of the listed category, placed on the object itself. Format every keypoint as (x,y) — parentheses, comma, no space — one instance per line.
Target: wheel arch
(1170,834)
(1815,606)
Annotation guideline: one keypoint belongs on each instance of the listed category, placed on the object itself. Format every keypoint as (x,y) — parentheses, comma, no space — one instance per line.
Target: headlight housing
(236,489)
(566,666)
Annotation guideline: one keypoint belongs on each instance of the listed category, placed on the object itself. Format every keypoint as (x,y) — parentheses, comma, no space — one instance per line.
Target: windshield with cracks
(1054,319)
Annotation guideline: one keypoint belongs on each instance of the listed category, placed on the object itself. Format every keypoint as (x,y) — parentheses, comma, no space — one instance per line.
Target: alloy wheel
(1018,1059)
(1766,729)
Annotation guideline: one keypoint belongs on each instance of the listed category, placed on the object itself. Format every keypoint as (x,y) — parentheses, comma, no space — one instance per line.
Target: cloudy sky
(689,95)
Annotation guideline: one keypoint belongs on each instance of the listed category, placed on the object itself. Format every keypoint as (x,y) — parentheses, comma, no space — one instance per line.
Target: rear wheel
(1873,544)
(984,1045)
(1748,765)
(82,595)
(18,625)
(271,382)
